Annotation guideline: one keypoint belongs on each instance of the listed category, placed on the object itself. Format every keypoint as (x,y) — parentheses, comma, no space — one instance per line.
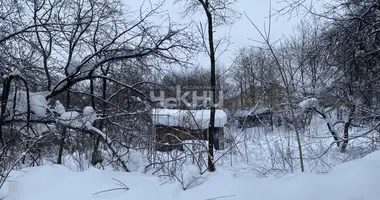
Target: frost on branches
(17,106)
(313,104)
(89,116)
(47,118)
(85,121)
(74,119)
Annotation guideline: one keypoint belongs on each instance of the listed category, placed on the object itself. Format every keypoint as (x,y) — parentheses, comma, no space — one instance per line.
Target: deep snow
(353,180)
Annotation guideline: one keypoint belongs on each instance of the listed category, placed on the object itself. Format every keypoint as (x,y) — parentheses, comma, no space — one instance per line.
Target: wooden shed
(254,117)
(172,126)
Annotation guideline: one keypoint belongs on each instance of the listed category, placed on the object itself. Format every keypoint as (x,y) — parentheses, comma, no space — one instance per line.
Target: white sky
(241,32)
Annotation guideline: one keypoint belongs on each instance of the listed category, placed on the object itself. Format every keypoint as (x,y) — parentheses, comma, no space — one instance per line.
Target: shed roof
(194,119)
(252,112)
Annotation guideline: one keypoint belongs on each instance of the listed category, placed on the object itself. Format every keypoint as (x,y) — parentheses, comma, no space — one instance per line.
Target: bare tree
(217,13)
(349,42)
(287,83)
(68,44)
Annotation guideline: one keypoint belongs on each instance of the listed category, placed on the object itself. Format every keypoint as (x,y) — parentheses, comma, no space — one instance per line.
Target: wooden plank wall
(171,134)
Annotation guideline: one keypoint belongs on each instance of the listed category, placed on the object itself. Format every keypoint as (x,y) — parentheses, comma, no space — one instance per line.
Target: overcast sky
(241,32)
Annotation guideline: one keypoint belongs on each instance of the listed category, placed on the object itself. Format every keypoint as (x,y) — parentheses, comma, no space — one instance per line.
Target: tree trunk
(346,129)
(61,146)
(211,165)
(63,133)
(96,155)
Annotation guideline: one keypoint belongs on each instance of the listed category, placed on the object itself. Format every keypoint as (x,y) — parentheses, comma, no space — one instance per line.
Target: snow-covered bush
(309,103)
(17,105)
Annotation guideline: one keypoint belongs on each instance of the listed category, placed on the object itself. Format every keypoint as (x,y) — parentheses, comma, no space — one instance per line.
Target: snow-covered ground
(258,163)
(353,180)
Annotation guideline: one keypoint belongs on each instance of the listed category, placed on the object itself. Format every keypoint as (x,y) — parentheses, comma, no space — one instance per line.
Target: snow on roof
(195,119)
(253,111)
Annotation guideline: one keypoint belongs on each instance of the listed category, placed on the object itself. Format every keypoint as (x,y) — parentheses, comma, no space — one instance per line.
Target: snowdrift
(354,180)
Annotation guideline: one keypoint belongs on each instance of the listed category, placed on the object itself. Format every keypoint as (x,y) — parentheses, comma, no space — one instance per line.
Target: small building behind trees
(173,126)
(254,117)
